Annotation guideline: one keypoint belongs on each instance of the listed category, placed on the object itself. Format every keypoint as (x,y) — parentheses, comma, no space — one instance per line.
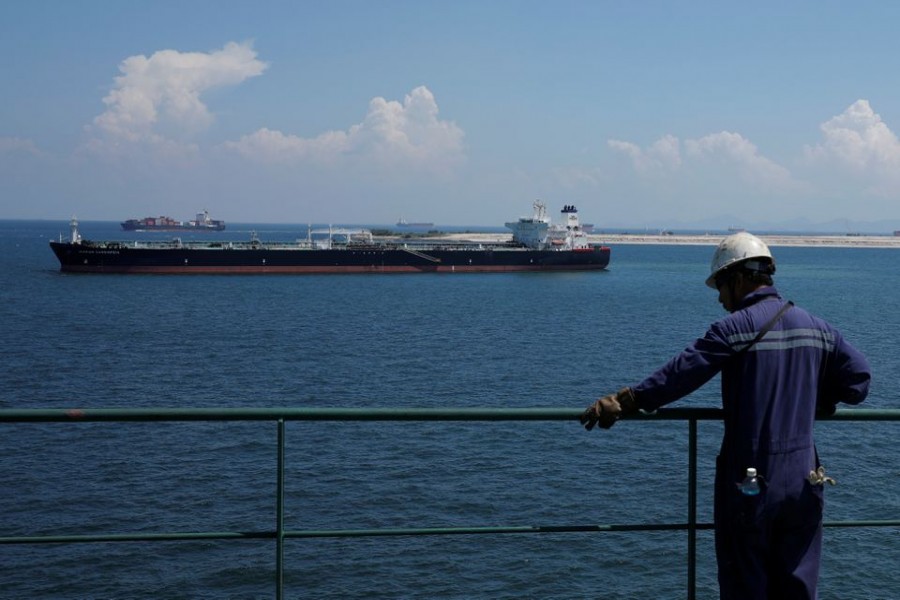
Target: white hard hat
(741,247)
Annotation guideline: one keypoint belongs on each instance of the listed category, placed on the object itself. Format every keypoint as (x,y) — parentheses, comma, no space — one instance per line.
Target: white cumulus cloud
(165,89)
(11,145)
(272,146)
(859,140)
(392,135)
(753,168)
(663,154)
(724,151)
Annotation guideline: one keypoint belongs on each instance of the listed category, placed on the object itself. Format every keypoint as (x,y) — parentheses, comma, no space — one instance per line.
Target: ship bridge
(540,233)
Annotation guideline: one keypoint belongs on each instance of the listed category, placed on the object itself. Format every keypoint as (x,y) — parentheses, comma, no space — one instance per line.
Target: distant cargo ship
(537,244)
(202,222)
(404,223)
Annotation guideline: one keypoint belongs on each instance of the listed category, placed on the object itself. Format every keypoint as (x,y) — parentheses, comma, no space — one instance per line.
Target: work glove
(825,409)
(609,409)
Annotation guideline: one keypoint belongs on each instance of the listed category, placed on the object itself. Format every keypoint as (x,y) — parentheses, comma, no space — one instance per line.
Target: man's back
(770,391)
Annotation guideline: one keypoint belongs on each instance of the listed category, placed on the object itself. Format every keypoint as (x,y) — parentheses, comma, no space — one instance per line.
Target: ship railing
(282,533)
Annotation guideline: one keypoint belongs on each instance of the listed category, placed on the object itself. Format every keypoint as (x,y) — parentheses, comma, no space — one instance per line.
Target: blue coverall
(767,546)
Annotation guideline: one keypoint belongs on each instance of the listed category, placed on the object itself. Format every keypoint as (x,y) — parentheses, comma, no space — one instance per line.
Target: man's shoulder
(762,306)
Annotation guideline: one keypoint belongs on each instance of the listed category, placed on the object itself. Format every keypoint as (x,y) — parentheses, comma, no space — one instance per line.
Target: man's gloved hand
(609,409)
(825,409)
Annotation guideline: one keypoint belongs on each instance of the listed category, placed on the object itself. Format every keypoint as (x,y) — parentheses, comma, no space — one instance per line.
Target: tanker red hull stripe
(211,270)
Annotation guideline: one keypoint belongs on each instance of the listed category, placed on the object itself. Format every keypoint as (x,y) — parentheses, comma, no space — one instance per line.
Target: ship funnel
(570,216)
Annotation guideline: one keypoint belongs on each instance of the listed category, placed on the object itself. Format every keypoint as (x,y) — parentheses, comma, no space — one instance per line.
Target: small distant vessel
(537,244)
(202,222)
(404,223)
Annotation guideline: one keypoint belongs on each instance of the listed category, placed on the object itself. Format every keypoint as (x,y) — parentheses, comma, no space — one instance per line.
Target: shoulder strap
(767,327)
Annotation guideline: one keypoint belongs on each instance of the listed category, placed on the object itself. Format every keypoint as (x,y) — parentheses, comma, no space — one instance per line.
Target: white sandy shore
(836,241)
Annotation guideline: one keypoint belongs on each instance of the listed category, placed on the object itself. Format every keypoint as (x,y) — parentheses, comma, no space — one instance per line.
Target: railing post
(692,509)
(279,516)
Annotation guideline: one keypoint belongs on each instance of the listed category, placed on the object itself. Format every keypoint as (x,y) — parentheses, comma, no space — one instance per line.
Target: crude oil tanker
(537,244)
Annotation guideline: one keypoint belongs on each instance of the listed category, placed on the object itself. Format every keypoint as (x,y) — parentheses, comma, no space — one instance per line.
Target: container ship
(202,222)
(404,223)
(537,244)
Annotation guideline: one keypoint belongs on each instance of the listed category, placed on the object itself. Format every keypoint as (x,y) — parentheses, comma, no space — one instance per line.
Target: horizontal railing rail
(281,415)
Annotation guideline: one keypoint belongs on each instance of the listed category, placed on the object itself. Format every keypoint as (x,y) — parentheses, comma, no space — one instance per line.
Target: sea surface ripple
(430,341)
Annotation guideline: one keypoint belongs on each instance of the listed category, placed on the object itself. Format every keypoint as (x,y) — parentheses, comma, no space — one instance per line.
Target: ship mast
(76,237)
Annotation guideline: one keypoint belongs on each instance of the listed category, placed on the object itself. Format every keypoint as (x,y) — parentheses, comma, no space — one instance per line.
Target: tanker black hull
(113,257)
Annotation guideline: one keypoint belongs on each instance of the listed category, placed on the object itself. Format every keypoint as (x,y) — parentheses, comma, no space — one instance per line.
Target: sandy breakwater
(836,241)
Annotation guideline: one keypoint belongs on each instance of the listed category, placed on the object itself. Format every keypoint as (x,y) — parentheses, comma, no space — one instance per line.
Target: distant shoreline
(815,241)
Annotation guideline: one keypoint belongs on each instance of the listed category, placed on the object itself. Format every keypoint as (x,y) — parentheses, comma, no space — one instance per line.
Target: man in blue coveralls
(780,367)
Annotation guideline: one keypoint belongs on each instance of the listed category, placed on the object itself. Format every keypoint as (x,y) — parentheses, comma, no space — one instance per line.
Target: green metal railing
(281,415)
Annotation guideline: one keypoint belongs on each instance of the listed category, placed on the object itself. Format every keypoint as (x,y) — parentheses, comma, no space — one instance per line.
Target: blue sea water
(460,340)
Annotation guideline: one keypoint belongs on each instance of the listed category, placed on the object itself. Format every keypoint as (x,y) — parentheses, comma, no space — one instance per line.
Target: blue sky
(643,114)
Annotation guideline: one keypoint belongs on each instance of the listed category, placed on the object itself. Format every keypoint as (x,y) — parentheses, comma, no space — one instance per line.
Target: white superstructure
(539,233)
(75,237)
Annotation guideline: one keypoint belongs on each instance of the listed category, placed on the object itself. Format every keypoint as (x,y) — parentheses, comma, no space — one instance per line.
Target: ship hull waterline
(85,258)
